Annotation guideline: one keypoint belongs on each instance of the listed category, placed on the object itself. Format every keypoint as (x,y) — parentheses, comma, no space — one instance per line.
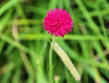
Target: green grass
(26,55)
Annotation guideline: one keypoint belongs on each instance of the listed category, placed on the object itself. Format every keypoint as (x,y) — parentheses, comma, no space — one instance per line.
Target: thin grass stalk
(66,60)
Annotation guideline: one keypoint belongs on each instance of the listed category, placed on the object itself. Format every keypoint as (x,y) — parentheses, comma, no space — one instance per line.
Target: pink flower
(58,22)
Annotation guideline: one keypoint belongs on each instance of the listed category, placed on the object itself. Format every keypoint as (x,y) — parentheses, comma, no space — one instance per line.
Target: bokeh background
(24,44)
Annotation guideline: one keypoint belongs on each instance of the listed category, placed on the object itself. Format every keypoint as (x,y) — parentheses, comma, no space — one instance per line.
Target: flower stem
(50,62)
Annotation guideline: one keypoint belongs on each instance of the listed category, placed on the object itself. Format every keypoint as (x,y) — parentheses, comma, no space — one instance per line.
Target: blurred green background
(24,44)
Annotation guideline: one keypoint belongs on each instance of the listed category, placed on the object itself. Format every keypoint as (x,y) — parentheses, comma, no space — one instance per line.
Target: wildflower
(58,22)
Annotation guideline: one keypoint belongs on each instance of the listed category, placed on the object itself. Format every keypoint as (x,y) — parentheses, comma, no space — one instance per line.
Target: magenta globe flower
(58,22)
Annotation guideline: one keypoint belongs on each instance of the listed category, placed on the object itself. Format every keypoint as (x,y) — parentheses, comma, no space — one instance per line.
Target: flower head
(58,22)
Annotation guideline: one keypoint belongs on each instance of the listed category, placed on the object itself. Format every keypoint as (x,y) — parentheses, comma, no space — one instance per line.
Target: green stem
(50,62)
